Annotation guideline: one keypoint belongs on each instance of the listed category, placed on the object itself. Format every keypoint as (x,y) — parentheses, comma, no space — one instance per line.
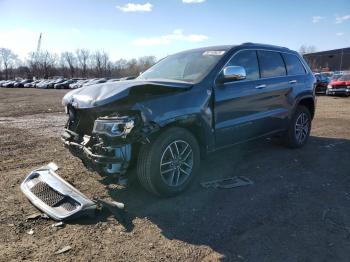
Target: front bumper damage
(109,158)
(54,196)
(106,145)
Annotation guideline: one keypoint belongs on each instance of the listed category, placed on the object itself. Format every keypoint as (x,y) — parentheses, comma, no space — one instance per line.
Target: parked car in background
(65,84)
(53,82)
(95,81)
(79,83)
(43,84)
(187,105)
(321,83)
(31,84)
(340,86)
(9,84)
(22,83)
(335,77)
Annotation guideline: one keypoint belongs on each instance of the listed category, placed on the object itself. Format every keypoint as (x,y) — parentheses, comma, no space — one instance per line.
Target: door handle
(260,86)
(293,81)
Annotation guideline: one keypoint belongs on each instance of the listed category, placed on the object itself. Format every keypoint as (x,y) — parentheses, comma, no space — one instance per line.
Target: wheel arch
(192,123)
(309,103)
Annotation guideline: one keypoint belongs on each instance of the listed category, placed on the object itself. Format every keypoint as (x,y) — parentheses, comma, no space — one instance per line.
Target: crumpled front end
(104,143)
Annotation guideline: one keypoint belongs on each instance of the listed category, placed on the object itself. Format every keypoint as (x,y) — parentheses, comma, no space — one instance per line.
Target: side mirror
(233,73)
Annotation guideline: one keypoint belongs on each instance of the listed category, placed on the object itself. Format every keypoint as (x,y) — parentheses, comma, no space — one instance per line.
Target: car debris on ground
(60,200)
(227,183)
(63,250)
(30,232)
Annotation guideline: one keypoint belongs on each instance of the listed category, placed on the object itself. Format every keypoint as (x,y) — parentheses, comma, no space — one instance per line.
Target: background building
(332,60)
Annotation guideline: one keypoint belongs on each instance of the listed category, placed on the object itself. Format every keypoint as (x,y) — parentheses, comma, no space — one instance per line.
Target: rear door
(296,72)
(275,88)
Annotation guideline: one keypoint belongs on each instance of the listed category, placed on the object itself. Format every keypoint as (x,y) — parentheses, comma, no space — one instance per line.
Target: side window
(294,66)
(271,64)
(249,61)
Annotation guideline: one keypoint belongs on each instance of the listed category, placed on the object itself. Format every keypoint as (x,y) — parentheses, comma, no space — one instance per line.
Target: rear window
(271,64)
(294,66)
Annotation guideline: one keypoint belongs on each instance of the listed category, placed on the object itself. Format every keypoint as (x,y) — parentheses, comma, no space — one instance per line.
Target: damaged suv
(187,105)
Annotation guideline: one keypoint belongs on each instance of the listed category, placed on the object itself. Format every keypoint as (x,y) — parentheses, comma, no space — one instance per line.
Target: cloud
(193,1)
(341,19)
(131,7)
(316,19)
(339,34)
(176,35)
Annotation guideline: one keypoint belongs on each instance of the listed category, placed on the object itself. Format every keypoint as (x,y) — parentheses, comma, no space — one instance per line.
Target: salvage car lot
(296,210)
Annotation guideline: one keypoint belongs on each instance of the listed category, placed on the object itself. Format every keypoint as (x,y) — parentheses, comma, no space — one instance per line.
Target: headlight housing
(329,86)
(114,126)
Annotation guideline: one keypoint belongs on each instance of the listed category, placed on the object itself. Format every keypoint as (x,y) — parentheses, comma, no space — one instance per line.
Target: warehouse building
(332,60)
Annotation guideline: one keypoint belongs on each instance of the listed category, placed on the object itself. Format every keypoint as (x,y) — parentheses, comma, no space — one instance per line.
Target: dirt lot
(297,210)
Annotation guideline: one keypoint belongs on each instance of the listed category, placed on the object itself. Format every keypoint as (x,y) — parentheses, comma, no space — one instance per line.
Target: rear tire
(299,128)
(168,164)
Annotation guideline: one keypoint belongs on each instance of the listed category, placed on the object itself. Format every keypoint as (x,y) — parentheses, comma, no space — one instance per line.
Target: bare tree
(69,60)
(97,63)
(106,64)
(304,49)
(146,62)
(47,63)
(81,62)
(8,59)
(83,56)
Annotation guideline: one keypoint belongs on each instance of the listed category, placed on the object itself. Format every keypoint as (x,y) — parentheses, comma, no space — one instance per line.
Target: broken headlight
(114,126)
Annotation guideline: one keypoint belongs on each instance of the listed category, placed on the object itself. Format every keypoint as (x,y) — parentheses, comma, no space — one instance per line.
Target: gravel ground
(296,210)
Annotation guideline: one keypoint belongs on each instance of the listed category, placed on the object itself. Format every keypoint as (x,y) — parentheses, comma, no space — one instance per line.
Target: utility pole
(39,44)
(341,59)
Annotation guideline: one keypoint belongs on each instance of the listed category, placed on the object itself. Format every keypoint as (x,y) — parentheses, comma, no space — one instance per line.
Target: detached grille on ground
(51,197)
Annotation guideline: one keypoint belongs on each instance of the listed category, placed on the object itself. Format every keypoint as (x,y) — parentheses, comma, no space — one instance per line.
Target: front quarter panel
(193,106)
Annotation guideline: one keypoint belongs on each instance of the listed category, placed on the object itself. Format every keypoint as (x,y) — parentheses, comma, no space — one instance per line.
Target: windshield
(345,78)
(190,66)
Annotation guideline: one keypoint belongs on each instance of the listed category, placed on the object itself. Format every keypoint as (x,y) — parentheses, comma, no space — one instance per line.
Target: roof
(229,47)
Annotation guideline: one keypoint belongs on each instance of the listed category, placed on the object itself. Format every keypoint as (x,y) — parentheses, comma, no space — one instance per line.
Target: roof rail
(250,43)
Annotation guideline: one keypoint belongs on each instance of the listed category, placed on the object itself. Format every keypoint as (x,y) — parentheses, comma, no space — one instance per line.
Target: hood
(340,83)
(102,94)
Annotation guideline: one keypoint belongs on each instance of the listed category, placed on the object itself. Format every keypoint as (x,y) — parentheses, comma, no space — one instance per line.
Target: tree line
(82,63)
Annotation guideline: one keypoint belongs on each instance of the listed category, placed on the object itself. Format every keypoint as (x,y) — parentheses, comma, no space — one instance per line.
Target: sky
(135,28)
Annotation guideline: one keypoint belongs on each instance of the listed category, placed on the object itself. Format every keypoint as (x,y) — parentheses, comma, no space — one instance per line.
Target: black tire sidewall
(158,148)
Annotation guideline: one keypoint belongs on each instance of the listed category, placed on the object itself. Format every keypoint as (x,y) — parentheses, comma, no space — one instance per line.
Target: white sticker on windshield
(218,53)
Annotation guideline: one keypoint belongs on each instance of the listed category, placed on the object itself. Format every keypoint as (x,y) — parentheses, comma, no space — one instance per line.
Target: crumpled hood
(102,94)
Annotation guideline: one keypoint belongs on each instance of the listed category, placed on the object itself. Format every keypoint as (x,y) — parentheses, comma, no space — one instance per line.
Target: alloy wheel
(302,126)
(176,163)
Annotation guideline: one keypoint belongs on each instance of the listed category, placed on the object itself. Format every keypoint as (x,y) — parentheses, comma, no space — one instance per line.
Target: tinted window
(249,61)
(271,64)
(294,66)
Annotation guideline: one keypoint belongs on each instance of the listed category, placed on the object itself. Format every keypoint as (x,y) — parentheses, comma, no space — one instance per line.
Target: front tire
(299,128)
(168,164)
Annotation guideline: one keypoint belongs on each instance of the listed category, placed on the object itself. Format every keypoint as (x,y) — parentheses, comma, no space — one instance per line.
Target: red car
(340,86)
